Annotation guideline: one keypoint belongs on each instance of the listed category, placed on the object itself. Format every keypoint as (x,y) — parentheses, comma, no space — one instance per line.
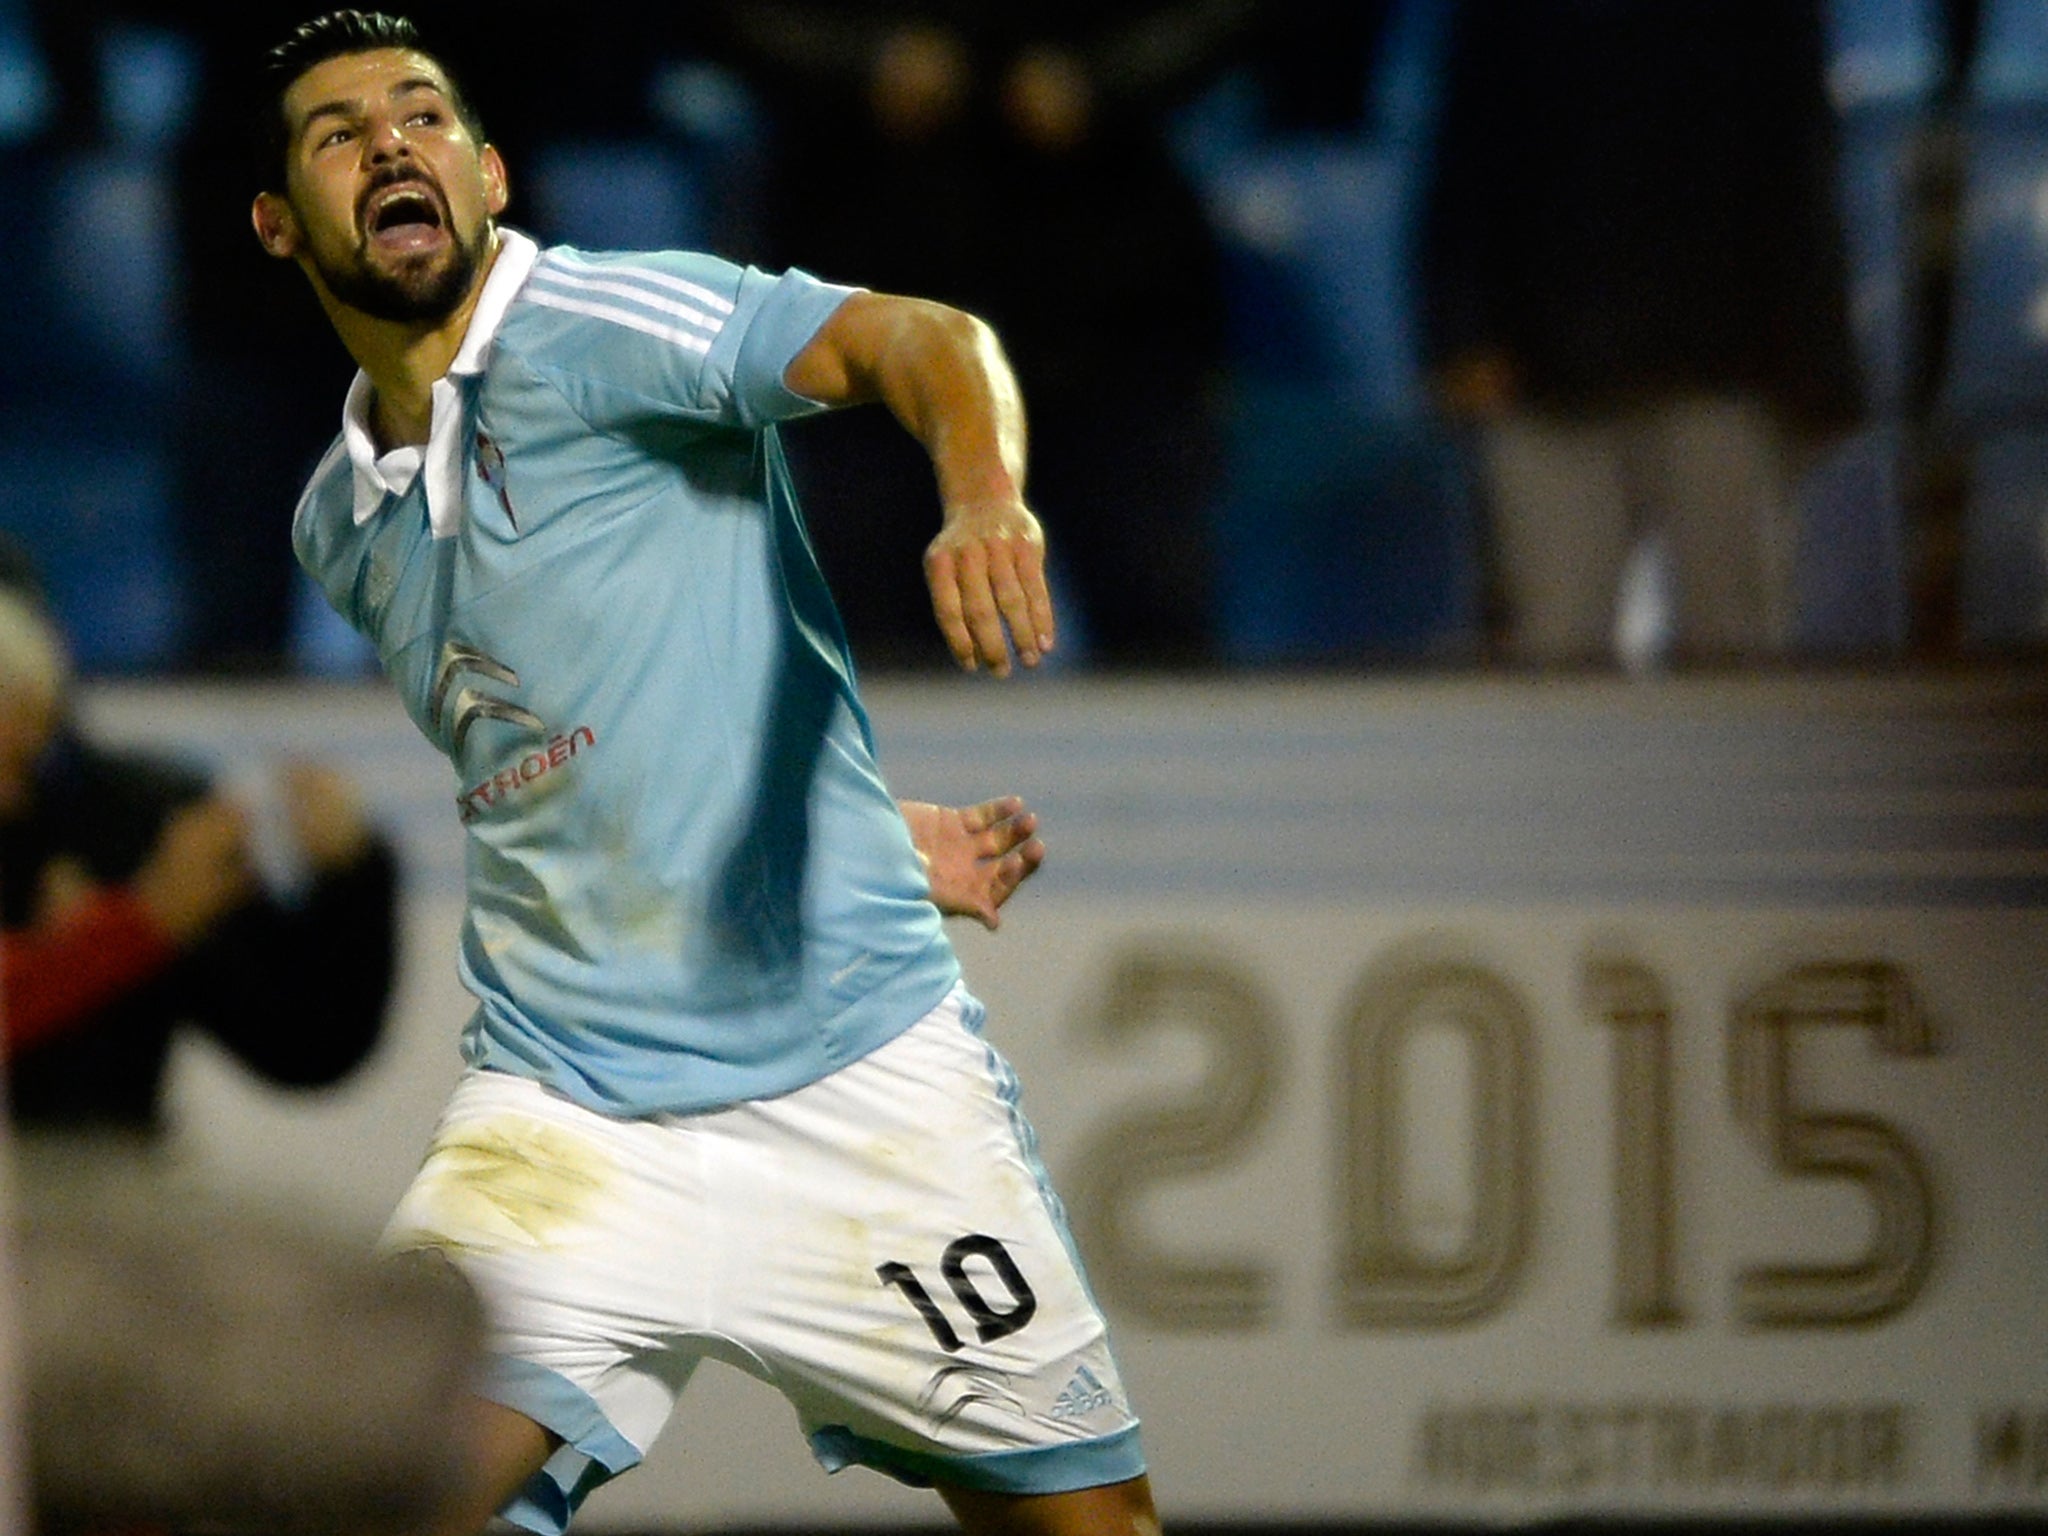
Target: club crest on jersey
(490,468)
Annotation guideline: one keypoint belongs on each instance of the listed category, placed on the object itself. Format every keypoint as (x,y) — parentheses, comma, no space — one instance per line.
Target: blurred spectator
(1636,288)
(130,908)
(188,1362)
(1014,160)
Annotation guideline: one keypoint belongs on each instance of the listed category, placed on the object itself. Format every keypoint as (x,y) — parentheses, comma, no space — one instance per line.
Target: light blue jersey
(688,884)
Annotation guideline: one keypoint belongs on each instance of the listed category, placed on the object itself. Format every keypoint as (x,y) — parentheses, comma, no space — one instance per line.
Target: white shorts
(883,1247)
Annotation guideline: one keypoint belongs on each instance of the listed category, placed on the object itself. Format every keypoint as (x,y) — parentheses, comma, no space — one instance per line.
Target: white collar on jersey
(392,474)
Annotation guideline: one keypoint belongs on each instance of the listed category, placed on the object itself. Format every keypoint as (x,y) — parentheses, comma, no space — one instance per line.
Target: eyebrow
(344,106)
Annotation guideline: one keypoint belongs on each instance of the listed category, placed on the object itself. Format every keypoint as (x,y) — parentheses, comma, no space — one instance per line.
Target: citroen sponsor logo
(470,704)
(461,707)
(494,792)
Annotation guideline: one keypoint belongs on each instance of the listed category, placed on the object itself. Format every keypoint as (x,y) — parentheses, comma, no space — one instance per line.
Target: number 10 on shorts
(990,1322)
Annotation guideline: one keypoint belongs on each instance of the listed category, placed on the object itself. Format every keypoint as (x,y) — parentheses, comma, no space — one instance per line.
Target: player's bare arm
(942,374)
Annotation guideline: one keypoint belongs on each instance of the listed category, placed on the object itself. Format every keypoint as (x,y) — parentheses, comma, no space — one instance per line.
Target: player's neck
(404,359)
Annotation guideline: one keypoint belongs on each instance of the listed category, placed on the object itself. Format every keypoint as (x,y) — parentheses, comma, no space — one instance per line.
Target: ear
(497,190)
(277,230)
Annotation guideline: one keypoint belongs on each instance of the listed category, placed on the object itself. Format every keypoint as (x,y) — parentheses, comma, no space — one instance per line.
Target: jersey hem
(893,1007)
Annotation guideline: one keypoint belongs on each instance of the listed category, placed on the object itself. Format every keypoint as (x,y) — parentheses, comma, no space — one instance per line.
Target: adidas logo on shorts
(1081,1396)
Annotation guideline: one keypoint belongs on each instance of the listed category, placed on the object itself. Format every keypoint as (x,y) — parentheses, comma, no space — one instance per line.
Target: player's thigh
(580,1233)
(505,1449)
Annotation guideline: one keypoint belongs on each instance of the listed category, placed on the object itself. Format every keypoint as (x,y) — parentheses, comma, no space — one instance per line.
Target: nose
(386,141)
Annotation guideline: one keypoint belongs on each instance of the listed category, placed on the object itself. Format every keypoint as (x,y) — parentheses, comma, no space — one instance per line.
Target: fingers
(989,814)
(964,601)
(1008,833)
(1005,875)
(1017,579)
(974,856)
(1019,865)
(989,591)
(999,828)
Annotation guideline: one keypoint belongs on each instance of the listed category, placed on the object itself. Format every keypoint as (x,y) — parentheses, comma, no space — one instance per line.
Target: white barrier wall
(1477,1100)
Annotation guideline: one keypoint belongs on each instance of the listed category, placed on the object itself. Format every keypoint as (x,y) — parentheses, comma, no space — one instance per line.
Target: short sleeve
(790,313)
(671,334)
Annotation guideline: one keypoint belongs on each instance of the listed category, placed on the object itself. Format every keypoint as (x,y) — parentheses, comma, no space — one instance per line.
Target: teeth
(400,206)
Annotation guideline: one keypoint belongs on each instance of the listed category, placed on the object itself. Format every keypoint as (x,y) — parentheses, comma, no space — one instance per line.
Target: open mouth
(403,216)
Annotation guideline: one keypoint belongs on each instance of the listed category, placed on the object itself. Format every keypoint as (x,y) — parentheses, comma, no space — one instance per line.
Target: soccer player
(726,1094)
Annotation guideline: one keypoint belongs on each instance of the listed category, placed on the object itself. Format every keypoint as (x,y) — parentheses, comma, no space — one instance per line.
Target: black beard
(407,298)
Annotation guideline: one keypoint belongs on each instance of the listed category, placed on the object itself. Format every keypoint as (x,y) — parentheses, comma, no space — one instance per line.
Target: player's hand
(986,571)
(975,856)
(199,870)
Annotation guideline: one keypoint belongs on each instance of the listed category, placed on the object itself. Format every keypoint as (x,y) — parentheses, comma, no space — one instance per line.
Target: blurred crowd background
(1399,333)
